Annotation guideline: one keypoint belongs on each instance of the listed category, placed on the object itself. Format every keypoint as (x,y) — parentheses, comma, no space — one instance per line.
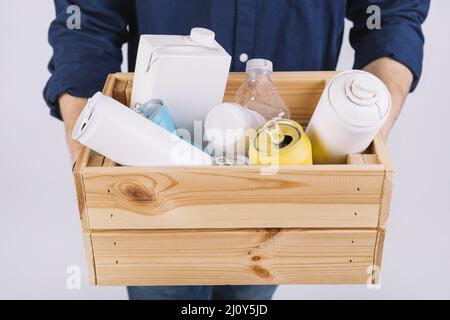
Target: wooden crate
(320,224)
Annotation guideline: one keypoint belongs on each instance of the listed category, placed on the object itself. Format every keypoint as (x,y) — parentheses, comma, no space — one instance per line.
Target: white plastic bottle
(258,93)
(353,108)
(229,127)
(126,137)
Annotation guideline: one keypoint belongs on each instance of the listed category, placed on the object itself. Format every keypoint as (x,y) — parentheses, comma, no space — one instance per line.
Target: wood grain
(128,92)
(95,160)
(119,91)
(253,256)
(381,151)
(223,197)
(378,256)
(126,76)
(362,159)
(108,163)
(241,216)
(388,183)
(77,172)
(89,253)
(108,88)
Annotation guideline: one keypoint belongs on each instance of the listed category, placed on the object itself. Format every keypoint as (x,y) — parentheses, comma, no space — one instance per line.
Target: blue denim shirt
(294,34)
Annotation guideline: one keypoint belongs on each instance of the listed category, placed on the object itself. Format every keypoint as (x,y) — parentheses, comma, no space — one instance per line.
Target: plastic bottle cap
(363,90)
(360,98)
(263,64)
(202,36)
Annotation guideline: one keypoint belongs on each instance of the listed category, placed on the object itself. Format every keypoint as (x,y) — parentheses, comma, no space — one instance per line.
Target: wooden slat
(252,256)
(378,256)
(383,157)
(77,171)
(362,159)
(128,92)
(114,83)
(224,197)
(386,196)
(108,163)
(126,76)
(388,182)
(89,253)
(382,153)
(277,215)
(95,160)
(238,77)
(370,159)
(355,159)
(119,91)
(110,83)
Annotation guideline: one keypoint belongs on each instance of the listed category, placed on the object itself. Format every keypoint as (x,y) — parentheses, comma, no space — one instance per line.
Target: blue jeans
(201,293)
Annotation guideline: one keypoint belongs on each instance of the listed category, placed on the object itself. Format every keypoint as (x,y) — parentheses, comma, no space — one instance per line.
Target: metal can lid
(280,134)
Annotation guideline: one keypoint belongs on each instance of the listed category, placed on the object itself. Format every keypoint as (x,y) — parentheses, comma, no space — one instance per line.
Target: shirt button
(243,57)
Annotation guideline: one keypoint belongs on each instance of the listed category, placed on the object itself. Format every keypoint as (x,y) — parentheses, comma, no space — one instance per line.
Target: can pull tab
(273,129)
(363,91)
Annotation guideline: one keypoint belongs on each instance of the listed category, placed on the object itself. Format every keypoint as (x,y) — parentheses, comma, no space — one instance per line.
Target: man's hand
(398,78)
(71,108)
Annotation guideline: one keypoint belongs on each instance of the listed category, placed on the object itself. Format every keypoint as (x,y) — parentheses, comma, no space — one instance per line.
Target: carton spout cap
(202,36)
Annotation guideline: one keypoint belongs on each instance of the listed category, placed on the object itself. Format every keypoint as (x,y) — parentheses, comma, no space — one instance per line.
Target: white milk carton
(188,73)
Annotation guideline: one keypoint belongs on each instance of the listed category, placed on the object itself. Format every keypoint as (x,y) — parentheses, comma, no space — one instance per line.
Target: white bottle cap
(202,36)
(359,98)
(263,64)
(363,91)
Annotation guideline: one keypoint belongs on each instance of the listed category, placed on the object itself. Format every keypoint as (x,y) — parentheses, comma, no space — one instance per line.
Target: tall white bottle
(353,108)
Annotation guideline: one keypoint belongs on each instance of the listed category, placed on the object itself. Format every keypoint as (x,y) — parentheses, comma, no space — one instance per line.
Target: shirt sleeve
(82,58)
(400,36)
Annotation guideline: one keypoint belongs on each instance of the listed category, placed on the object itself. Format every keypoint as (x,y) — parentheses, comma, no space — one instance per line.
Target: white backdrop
(39,228)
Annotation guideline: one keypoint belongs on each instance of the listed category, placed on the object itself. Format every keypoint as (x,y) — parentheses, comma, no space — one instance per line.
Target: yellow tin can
(280,142)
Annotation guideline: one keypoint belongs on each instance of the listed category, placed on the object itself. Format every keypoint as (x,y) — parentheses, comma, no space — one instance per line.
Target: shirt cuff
(401,43)
(79,81)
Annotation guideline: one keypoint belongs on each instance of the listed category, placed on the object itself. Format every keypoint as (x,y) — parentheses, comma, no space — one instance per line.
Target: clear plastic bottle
(258,93)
